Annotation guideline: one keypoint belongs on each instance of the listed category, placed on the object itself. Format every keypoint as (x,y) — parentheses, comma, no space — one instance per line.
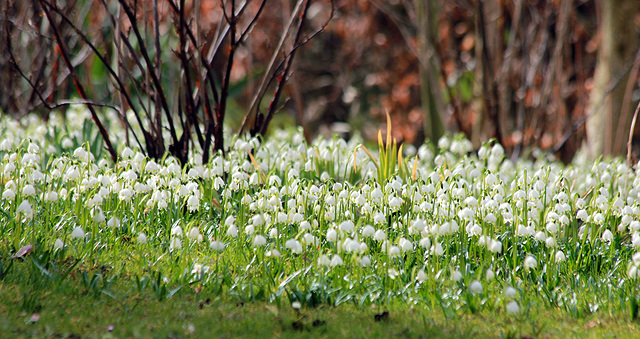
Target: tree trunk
(618,45)
(426,12)
(491,112)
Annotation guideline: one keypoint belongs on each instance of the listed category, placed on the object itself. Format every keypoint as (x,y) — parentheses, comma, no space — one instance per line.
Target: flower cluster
(484,219)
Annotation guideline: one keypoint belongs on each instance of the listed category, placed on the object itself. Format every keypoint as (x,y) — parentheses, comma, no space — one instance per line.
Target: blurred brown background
(555,74)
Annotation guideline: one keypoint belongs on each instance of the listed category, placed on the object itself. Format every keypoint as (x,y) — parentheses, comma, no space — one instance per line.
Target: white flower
(550,242)
(77,233)
(346,226)
(151,167)
(394,251)
(365,261)
(444,143)
(560,256)
(9,168)
(305,225)
(33,148)
(142,238)
(466,214)
(127,153)
(336,261)
(323,260)
(28,190)
(332,235)
(113,222)
(25,209)
(58,244)
(217,246)
(421,276)
(489,274)
(495,246)
(475,287)
(125,194)
(5,145)
(376,195)
(51,196)
(249,229)
(380,235)
(257,220)
(582,215)
(193,203)
(394,203)
(405,245)
(175,244)
(294,245)
(194,234)
(259,240)
(437,249)
(425,242)
(513,308)
(232,231)
(598,218)
(530,262)
(296,305)
(176,230)
(456,275)
(8,194)
(368,231)
(607,236)
(98,216)
(199,269)
(273,253)
(379,218)
(330,200)
(510,292)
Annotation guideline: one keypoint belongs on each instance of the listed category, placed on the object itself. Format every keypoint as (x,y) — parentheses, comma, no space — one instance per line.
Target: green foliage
(387,165)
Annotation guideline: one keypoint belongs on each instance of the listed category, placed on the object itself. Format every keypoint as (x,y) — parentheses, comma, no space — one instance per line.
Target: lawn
(282,238)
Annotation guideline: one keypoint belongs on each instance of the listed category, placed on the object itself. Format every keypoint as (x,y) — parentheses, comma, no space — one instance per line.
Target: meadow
(279,237)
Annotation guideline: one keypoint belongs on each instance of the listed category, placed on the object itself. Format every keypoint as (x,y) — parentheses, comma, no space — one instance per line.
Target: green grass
(71,312)
(114,306)
(456,244)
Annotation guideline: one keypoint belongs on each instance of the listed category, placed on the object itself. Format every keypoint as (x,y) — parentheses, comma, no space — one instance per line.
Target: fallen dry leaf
(23,251)
(381,316)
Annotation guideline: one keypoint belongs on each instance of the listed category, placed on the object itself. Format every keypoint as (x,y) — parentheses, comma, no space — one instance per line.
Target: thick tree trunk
(618,45)
(489,108)
(426,11)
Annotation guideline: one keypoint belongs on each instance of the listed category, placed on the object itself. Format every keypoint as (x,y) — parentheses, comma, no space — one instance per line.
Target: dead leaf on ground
(297,325)
(23,251)
(381,316)
(318,322)
(593,323)
(34,317)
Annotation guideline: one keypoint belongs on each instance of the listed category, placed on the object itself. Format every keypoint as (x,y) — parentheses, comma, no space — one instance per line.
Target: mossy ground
(70,311)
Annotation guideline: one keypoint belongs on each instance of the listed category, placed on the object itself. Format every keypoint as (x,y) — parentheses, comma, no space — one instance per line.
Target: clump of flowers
(434,218)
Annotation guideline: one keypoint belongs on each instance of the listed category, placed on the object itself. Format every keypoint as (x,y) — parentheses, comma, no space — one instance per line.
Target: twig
(106,64)
(633,127)
(594,109)
(285,72)
(81,91)
(267,75)
(218,140)
(626,101)
(156,82)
